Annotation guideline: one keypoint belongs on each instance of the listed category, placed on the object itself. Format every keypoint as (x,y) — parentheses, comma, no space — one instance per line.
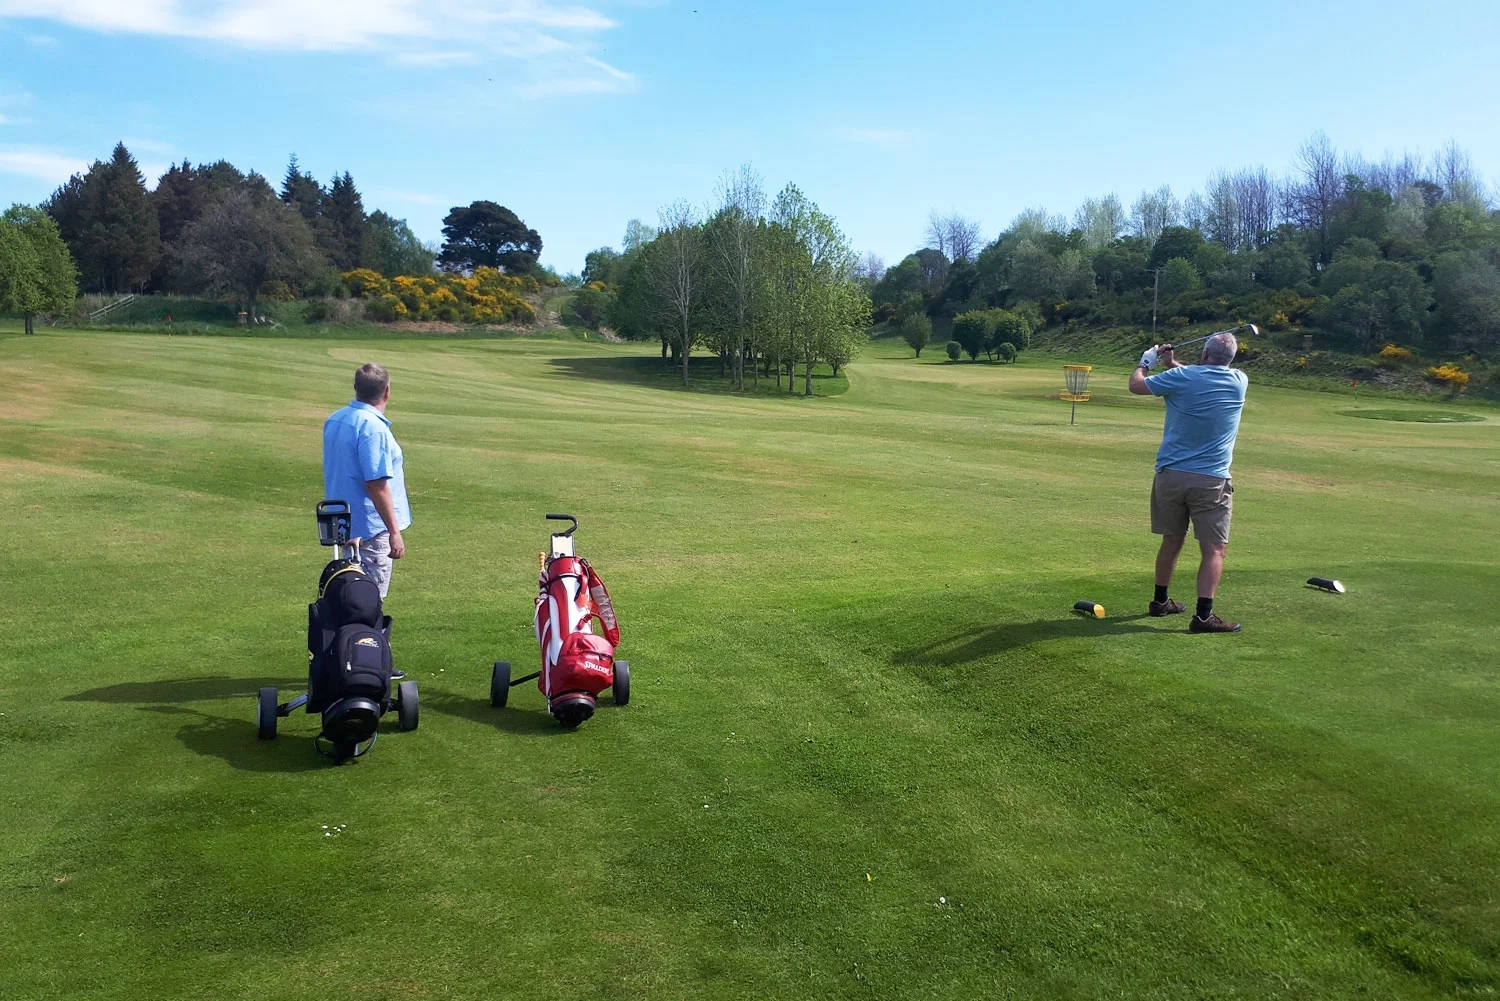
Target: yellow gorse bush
(486,296)
(1454,376)
(1395,352)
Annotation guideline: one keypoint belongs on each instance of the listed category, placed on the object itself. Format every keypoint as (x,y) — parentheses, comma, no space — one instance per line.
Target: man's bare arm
(385,506)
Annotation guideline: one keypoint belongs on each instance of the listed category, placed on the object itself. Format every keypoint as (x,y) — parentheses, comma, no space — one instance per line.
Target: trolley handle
(565,517)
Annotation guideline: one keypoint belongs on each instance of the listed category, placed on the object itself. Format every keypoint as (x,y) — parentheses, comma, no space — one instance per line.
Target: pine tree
(345,224)
(108,220)
(303,193)
(179,199)
(124,232)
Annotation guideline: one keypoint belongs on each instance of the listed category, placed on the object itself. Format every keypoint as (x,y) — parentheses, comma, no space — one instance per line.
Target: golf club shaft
(1199,340)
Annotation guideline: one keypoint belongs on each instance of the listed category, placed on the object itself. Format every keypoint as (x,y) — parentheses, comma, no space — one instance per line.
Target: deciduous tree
(675,275)
(37,274)
(242,241)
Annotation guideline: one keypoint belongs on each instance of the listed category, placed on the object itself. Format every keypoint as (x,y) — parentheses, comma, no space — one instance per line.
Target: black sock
(1161,593)
(1205,607)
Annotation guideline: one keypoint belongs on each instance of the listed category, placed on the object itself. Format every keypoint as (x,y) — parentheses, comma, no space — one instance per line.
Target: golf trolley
(349,670)
(577,663)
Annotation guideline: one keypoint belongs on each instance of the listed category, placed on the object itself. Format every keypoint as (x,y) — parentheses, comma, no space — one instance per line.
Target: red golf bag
(577,662)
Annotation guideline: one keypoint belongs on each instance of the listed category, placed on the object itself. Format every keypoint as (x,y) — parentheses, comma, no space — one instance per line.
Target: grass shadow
(704,376)
(524,722)
(979,642)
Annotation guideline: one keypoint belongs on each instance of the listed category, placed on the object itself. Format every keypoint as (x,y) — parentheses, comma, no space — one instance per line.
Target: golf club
(1254,332)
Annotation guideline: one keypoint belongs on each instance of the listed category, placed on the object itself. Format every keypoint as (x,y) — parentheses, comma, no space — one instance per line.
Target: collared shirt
(1203,417)
(357,447)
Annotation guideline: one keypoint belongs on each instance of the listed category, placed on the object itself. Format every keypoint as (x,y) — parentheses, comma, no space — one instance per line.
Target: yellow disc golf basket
(1078,387)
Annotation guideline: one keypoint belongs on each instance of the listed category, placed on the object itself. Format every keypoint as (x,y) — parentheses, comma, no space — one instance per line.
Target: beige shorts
(1178,498)
(375,558)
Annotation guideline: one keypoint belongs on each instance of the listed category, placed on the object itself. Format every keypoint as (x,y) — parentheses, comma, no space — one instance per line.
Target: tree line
(1402,250)
(766,283)
(215,229)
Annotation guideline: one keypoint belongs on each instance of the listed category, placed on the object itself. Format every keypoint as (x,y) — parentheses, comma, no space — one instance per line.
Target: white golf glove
(1148,360)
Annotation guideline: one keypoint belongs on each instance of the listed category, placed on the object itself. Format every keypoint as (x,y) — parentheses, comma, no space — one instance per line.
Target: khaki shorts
(375,558)
(1178,498)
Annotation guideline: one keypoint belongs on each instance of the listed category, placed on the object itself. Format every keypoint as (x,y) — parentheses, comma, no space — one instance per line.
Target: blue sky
(582,116)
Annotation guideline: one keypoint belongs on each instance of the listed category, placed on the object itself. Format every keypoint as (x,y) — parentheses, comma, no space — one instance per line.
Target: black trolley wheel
(407,705)
(265,714)
(500,684)
(620,690)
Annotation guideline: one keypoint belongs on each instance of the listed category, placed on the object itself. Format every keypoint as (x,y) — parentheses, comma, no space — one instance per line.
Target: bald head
(1220,349)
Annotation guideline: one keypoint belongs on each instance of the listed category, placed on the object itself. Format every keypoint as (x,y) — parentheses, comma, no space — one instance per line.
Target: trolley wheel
(407,705)
(265,714)
(500,684)
(620,690)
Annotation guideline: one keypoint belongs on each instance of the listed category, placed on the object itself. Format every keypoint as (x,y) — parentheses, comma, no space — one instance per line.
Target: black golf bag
(349,668)
(348,656)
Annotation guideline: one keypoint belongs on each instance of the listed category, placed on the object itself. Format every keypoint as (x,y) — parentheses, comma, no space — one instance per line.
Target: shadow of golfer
(979,642)
(528,720)
(175,691)
(234,741)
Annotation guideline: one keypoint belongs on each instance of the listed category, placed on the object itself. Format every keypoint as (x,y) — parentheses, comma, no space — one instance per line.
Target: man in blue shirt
(363,465)
(1192,483)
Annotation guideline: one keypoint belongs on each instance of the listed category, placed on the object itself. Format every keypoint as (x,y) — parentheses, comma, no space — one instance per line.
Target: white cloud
(416,34)
(561,86)
(435,58)
(42,164)
(874,137)
(413,197)
(41,41)
(138,145)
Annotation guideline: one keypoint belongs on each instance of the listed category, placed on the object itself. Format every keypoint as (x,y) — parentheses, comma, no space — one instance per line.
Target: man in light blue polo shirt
(1192,481)
(363,465)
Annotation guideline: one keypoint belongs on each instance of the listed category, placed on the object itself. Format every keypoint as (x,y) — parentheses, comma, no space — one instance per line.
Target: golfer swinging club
(363,465)
(1192,481)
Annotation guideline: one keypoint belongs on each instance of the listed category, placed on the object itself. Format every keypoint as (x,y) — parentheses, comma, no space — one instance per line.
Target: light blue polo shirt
(1203,417)
(358,446)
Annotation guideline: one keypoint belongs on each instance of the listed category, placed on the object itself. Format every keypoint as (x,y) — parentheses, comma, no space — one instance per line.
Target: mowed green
(870,752)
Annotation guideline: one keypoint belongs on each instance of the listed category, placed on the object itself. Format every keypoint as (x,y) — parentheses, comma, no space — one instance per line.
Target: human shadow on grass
(235,741)
(231,739)
(979,642)
(175,691)
(527,720)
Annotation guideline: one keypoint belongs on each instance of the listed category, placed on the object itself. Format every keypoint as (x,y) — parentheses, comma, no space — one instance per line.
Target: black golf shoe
(1212,624)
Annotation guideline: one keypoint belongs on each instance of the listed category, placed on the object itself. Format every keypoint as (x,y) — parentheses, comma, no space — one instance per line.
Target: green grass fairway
(870,753)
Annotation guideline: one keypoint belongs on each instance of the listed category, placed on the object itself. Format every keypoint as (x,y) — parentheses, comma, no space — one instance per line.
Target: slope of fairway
(869,752)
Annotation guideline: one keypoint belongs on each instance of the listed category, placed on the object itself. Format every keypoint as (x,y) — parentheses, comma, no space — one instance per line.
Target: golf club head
(1254,330)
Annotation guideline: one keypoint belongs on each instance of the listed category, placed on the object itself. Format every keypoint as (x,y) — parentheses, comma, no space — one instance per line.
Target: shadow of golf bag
(349,670)
(577,663)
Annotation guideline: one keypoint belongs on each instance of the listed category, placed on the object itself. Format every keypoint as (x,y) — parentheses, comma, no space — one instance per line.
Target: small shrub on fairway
(954,350)
(916,331)
(1007,351)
